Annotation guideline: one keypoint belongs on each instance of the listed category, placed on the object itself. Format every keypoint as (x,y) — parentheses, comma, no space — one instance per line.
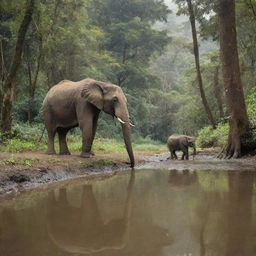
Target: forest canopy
(140,45)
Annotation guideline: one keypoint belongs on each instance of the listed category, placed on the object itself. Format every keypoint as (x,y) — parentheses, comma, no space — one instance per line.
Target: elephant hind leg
(51,135)
(62,133)
(173,154)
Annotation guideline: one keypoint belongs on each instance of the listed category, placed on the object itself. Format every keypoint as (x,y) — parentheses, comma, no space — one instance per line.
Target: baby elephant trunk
(194,151)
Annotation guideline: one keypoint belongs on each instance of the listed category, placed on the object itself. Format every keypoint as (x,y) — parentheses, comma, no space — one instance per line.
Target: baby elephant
(180,142)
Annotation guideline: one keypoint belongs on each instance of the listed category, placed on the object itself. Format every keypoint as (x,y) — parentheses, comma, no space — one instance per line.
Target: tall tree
(33,80)
(238,122)
(217,92)
(8,87)
(131,38)
(197,62)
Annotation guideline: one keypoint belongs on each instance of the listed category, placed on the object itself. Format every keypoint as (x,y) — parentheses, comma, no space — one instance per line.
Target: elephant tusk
(132,124)
(120,120)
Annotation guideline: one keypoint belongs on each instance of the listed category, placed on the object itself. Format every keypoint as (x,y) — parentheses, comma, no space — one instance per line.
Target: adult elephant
(70,104)
(180,142)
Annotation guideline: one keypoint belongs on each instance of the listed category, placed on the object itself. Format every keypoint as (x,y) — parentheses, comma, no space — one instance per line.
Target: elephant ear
(191,141)
(93,93)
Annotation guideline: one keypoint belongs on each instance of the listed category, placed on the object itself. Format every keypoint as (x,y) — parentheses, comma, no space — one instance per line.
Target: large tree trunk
(217,92)
(8,87)
(3,73)
(239,124)
(197,62)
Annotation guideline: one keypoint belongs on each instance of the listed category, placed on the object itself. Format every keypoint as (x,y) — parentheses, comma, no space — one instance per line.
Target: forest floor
(23,171)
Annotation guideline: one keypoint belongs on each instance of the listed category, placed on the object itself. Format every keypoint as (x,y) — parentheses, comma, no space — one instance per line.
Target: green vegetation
(16,161)
(25,138)
(140,45)
(251,106)
(208,137)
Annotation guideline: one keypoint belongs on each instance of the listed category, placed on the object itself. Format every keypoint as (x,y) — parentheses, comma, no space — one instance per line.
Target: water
(149,212)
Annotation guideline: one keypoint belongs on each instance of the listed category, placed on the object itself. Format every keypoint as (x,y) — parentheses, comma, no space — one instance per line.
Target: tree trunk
(33,81)
(218,92)
(3,73)
(8,87)
(239,123)
(198,70)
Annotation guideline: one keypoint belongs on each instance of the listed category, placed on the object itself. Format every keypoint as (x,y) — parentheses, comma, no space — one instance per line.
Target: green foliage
(251,106)
(26,132)
(137,44)
(17,145)
(24,138)
(207,137)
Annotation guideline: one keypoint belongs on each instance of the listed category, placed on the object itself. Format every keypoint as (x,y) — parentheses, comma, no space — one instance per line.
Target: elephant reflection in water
(182,179)
(82,230)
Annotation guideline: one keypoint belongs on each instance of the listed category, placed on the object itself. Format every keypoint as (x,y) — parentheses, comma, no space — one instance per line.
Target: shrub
(221,135)
(25,132)
(205,137)
(251,106)
(208,137)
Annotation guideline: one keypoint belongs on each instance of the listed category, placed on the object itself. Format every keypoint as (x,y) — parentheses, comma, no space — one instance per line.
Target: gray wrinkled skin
(179,142)
(69,104)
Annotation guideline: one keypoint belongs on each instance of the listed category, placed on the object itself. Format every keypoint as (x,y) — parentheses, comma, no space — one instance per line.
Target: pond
(147,212)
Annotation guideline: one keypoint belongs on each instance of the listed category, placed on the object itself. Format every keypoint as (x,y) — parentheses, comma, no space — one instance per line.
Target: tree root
(238,146)
(221,153)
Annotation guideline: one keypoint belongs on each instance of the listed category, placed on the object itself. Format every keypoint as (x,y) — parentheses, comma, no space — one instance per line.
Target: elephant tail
(42,134)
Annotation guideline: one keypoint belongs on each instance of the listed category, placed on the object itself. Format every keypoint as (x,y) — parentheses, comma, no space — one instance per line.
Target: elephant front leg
(87,133)
(94,128)
(185,154)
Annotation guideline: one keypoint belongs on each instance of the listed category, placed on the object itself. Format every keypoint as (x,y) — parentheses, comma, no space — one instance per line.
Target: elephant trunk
(194,151)
(128,143)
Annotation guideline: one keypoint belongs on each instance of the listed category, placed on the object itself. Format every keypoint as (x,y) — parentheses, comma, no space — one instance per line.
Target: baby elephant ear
(191,141)
(93,93)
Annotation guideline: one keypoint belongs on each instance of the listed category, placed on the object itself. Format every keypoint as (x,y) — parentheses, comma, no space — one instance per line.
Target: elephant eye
(115,99)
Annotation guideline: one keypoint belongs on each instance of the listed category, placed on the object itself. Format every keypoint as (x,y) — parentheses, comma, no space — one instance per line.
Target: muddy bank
(23,171)
(205,160)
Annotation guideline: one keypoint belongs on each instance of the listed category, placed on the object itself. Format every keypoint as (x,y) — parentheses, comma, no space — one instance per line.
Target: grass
(17,145)
(16,161)
(100,145)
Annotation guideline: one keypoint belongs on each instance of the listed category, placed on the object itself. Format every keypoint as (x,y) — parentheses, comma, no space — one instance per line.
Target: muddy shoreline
(23,171)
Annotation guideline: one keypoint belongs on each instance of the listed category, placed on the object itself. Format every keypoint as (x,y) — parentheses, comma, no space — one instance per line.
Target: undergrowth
(208,137)
(25,138)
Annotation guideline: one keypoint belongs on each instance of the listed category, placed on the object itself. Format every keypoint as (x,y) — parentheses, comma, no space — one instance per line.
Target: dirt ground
(23,171)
